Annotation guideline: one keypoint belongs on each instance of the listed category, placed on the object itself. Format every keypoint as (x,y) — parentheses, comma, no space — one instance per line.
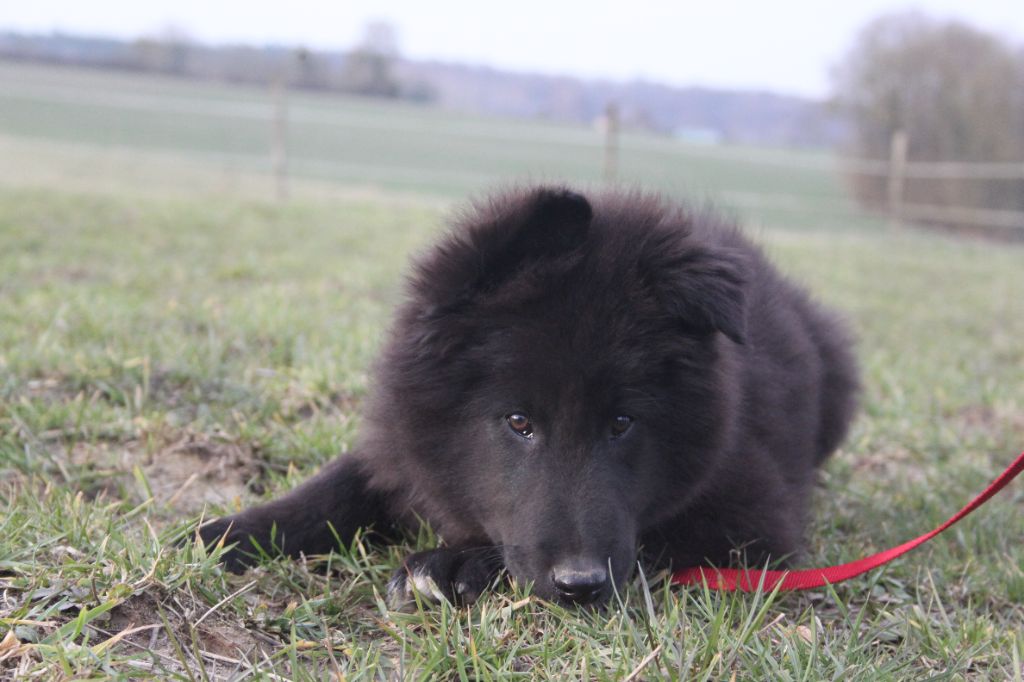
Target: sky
(781,45)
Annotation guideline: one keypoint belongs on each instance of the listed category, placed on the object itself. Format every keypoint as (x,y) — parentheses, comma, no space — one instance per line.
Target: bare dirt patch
(184,471)
(1002,421)
(338,404)
(199,469)
(220,643)
(894,461)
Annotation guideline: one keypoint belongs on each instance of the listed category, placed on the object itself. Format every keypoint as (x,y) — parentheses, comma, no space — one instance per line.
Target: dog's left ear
(709,291)
(497,238)
(546,223)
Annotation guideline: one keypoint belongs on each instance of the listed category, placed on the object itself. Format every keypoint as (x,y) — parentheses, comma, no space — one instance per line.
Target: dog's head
(561,377)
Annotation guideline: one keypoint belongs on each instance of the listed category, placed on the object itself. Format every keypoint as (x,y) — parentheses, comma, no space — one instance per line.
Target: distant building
(696,135)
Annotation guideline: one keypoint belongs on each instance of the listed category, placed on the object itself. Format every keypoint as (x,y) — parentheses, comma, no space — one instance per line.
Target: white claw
(426,587)
(403,588)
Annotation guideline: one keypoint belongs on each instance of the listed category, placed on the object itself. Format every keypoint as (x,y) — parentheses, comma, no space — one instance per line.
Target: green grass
(171,342)
(244,331)
(367,143)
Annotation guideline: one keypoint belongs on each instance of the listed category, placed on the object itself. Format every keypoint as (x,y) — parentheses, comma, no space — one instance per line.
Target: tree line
(375,67)
(956,93)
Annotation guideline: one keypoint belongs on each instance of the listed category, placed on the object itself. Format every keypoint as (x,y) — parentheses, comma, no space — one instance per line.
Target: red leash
(748,580)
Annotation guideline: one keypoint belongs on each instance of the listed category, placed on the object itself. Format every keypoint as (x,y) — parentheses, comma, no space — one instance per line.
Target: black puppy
(568,381)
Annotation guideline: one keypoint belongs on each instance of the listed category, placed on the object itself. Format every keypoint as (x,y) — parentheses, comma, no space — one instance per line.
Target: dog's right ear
(706,289)
(495,240)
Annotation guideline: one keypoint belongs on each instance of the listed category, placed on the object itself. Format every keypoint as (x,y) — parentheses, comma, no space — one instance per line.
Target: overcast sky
(784,45)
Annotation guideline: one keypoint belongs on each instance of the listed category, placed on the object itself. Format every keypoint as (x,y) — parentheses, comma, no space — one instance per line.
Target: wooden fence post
(611,142)
(897,173)
(279,140)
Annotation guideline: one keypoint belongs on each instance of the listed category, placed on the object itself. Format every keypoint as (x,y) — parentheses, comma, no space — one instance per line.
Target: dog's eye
(620,425)
(521,424)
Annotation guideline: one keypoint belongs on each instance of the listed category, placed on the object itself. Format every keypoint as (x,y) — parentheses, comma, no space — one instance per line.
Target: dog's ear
(557,219)
(708,290)
(547,222)
(495,240)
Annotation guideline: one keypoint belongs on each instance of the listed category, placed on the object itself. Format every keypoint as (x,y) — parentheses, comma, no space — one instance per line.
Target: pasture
(174,343)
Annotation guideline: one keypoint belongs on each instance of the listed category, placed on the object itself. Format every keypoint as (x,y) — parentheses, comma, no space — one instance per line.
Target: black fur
(573,312)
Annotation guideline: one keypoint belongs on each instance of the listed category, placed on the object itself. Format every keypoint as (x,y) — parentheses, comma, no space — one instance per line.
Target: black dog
(570,381)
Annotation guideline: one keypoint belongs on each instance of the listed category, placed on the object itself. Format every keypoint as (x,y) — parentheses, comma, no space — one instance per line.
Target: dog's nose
(579,584)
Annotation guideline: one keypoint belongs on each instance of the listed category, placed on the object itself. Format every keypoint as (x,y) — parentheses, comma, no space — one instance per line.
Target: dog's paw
(458,576)
(233,530)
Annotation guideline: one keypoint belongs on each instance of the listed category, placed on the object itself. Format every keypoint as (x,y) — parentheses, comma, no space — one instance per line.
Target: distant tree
(956,91)
(167,51)
(380,37)
(369,69)
(310,70)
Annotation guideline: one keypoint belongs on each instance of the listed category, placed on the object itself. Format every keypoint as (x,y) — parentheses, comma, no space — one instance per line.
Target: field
(174,343)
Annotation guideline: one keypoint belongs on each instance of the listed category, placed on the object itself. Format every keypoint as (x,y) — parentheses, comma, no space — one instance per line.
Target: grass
(226,130)
(171,347)
(148,340)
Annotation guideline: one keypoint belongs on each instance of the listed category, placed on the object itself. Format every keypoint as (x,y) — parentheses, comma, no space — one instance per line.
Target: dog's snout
(578,583)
